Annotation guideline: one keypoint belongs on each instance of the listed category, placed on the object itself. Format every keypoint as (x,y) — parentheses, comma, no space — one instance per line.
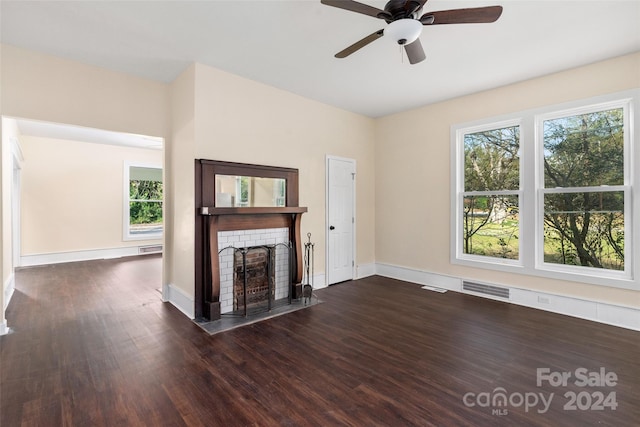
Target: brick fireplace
(212,222)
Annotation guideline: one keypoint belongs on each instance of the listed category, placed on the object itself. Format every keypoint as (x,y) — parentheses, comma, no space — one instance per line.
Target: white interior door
(340,219)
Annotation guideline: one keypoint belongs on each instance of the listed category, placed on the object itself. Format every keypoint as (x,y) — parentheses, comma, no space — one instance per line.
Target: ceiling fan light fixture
(404,31)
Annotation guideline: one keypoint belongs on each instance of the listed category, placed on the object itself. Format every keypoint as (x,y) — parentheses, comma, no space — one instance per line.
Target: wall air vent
(480,288)
(154,249)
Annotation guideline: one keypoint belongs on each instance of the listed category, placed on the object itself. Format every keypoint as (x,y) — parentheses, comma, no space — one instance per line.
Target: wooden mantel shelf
(211,211)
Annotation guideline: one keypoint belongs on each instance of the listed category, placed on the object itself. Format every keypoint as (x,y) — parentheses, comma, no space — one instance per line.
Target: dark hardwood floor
(93,345)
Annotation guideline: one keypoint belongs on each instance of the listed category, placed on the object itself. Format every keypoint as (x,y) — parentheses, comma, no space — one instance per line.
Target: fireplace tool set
(307,280)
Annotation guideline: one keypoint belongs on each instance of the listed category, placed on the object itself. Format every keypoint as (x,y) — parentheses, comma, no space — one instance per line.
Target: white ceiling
(290,44)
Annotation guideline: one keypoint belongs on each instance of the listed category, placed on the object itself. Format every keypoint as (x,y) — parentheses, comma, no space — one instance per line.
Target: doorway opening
(68,195)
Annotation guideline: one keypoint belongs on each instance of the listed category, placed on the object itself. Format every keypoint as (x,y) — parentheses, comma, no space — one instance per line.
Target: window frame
(461,193)
(126,232)
(532,191)
(626,105)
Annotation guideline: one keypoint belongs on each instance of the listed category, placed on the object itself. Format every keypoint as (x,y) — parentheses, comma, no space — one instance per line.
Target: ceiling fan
(404,25)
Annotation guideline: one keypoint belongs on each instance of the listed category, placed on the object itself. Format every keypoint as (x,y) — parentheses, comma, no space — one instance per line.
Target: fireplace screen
(254,278)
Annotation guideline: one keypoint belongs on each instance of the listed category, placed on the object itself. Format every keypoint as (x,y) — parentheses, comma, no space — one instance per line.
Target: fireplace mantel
(209,220)
(211,211)
(229,219)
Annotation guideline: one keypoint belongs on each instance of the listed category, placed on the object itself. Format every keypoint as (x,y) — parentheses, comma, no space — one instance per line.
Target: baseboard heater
(480,288)
(153,249)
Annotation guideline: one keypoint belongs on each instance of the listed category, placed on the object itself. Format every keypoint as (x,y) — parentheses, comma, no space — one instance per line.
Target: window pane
(145,217)
(584,150)
(145,190)
(585,229)
(491,226)
(491,160)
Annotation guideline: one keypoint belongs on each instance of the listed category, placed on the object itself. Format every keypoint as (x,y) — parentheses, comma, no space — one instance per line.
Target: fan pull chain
(400,48)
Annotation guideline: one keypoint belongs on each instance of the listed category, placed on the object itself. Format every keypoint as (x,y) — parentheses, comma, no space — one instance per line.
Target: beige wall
(72,194)
(240,120)
(44,87)
(180,196)
(413,154)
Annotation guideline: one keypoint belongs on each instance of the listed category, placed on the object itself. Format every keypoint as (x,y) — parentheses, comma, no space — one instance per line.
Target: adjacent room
(445,194)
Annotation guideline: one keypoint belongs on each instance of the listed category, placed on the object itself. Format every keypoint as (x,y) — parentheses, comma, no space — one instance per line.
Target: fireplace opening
(253,277)
(257,278)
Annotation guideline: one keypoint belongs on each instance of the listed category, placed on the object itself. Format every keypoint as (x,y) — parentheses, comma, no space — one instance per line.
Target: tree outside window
(549,192)
(491,193)
(584,195)
(145,202)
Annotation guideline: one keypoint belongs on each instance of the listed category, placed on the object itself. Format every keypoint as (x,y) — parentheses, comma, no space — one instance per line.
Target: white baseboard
(319,281)
(365,270)
(419,276)
(9,288)
(362,271)
(180,300)
(92,254)
(4,329)
(610,314)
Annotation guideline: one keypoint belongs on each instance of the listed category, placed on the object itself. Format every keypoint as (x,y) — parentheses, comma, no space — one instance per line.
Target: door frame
(328,159)
(16,202)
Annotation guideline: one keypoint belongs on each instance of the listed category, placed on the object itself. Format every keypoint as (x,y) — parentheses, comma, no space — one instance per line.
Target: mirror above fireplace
(236,191)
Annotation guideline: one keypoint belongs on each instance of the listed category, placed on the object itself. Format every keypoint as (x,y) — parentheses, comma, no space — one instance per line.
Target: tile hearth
(232,321)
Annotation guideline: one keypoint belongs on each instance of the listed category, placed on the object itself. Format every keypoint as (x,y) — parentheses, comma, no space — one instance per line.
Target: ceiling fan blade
(412,6)
(475,15)
(359,44)
(354,6)
(415,52)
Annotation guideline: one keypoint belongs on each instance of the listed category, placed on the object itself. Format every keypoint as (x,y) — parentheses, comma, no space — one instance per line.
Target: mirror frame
(211,168)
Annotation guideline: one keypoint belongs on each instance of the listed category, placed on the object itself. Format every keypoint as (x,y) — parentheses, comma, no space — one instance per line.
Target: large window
(490,197)
(584,191)
(143,202)
(549,192)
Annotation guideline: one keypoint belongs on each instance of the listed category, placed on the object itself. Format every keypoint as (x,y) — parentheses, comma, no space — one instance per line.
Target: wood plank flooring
(93,345)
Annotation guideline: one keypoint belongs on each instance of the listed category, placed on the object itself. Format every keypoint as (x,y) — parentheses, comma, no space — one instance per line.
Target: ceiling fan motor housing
(400,9)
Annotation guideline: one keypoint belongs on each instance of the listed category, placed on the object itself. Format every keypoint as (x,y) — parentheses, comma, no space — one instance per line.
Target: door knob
(331,227)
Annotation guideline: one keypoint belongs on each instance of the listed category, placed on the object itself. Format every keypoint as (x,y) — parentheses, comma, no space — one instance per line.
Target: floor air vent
(150,249)
(495,291)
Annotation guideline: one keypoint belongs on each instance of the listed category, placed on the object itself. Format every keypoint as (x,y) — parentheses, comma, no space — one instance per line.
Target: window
(584,191)
(143,202)
(490,197)
(549,192)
